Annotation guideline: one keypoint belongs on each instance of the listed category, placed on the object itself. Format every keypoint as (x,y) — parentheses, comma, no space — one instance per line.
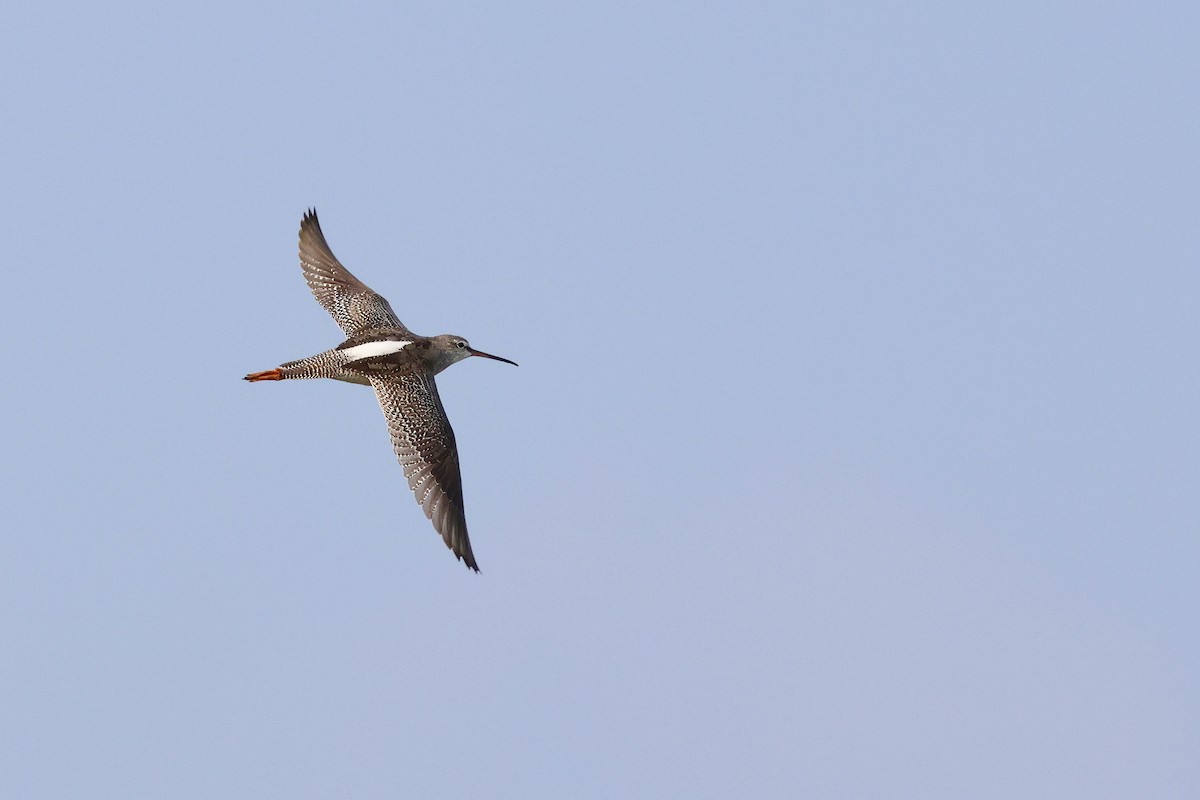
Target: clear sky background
(853,452)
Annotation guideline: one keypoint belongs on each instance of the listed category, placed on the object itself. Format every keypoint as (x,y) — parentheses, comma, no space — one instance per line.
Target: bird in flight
(380,352)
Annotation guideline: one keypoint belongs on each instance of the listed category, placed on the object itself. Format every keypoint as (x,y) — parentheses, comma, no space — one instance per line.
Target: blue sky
(853,451)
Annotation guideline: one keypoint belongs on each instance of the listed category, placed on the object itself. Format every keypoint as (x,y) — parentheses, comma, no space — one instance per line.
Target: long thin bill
(482,354)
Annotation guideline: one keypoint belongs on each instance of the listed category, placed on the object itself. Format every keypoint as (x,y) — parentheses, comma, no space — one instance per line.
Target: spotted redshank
(380,352)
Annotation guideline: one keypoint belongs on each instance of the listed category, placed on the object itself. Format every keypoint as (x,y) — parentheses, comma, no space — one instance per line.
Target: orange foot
(269,375)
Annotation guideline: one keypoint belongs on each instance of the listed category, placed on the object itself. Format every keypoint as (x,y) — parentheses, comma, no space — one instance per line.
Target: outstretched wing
(348,300)
(424,443)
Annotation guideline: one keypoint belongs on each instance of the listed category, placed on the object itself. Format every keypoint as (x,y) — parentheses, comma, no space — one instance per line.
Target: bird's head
(450,349)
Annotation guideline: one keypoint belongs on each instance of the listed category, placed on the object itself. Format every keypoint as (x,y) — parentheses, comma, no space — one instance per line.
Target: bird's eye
(460,344)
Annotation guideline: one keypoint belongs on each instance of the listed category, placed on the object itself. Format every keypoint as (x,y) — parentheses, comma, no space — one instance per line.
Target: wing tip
(465,556)
(462,551)
(309,221)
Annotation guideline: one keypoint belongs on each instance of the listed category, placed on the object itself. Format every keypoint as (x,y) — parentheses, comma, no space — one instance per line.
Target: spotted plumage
(380,352)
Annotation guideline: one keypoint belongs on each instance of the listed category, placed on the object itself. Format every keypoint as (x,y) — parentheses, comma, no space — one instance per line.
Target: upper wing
(348,300)
(424,443)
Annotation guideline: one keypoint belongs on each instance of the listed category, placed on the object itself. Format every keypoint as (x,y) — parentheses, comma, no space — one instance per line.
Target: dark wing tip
(453,527)
(462,551)
(310,221)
